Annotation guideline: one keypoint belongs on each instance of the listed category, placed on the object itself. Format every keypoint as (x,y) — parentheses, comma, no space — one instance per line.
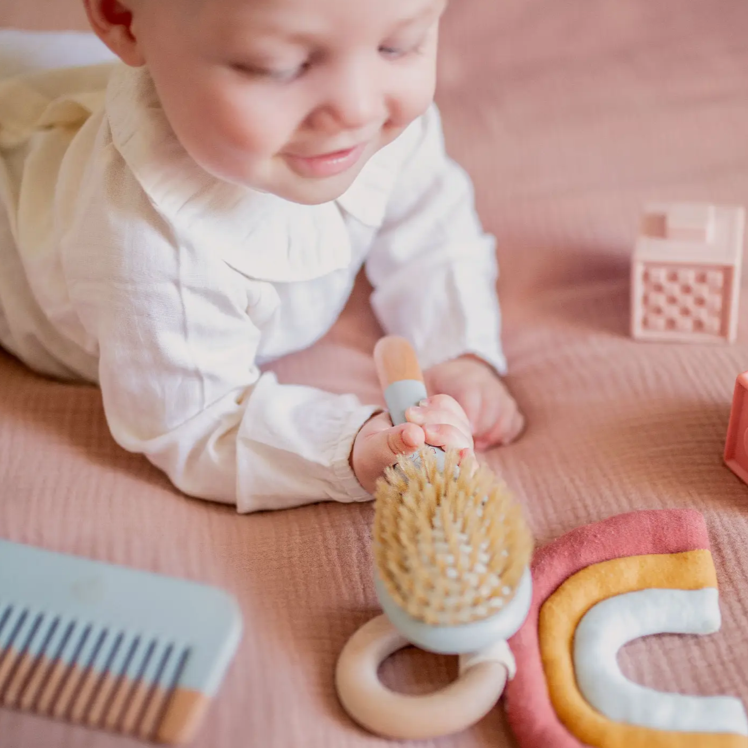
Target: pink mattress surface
(569,116)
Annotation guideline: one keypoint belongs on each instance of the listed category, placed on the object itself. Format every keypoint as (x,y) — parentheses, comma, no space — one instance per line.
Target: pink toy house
(736,448)
(685,276)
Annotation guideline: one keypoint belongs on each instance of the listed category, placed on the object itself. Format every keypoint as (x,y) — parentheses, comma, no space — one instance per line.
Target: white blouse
(123,263)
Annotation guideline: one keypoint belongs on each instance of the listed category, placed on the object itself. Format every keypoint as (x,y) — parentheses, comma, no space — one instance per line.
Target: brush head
(450,545)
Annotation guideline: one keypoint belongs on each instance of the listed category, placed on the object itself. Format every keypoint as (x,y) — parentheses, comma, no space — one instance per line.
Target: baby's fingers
(446,402)
(378,445)
(447,436)
(435,413)
(514,427)
(506,429)
(402,440)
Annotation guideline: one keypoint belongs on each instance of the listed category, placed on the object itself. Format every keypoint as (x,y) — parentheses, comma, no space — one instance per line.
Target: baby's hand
(439,421)
(491,410)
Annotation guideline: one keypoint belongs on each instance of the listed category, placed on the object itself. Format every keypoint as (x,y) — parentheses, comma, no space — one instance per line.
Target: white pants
(24,52)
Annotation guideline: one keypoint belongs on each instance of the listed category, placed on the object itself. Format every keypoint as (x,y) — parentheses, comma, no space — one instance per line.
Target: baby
(173,223)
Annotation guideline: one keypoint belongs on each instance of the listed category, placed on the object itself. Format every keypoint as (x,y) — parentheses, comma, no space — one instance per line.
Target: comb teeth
(86,672)
(450,545)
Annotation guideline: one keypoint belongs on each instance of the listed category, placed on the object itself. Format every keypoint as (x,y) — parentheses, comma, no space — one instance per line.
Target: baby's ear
(112,20)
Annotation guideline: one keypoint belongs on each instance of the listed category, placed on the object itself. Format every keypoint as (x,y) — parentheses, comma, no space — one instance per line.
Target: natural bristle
(450,546)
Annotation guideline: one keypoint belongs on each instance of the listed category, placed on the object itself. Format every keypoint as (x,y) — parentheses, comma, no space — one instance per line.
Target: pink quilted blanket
(569,116)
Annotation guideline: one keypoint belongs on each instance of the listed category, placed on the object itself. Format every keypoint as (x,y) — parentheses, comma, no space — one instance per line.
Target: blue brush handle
(402,395)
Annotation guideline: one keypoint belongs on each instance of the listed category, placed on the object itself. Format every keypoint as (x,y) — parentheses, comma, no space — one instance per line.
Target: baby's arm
(180,384)
(434,272)
(178,374)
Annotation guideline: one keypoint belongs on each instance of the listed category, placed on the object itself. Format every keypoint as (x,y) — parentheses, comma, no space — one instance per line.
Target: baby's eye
(390,51)
(279,75)
(394,53)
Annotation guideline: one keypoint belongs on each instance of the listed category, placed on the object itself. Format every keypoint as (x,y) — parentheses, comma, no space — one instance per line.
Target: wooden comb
(110,647)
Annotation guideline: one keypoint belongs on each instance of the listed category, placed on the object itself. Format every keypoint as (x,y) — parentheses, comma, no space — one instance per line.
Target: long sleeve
(432,266)
(177,363)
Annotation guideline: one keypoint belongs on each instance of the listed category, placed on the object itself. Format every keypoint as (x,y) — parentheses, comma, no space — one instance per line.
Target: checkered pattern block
(683,299)
(686,274)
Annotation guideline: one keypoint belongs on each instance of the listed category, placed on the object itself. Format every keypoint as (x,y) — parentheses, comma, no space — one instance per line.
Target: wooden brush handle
(396,360)
(399,374)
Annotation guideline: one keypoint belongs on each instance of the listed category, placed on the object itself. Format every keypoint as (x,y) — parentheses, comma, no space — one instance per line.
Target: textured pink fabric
(528,705)
(569,116)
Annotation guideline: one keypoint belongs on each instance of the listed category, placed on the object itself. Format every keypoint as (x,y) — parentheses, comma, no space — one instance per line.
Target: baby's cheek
(415,89)
(239,135)
(247,125)
(412,102)
(249,133)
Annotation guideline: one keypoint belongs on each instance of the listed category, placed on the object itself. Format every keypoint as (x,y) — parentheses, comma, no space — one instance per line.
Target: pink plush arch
(528,705)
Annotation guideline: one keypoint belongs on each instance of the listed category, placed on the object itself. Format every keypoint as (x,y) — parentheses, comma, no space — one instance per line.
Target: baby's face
(290,97)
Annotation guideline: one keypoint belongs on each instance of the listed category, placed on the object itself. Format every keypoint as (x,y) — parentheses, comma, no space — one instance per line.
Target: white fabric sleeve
(432,266)
(177,370)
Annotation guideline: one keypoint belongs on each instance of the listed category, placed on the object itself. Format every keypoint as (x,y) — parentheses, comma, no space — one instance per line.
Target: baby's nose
(358,111)
(356,100)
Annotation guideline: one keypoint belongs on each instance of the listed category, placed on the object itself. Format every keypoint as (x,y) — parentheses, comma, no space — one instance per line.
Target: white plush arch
(610,624)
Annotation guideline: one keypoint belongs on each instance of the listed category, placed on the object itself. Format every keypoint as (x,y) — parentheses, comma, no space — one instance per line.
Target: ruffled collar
(259,234)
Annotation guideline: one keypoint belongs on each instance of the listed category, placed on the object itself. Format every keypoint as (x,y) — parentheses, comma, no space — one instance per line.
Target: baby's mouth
(326,164)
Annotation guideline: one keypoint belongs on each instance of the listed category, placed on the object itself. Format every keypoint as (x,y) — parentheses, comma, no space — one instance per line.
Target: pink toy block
(685,274)
(736,447)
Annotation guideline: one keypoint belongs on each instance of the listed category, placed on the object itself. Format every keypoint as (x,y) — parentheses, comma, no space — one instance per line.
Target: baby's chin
(279,179)
(307,190)
(310,191)
(294,188)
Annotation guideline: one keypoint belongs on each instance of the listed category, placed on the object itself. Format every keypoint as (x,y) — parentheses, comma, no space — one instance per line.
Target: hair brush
(451,552)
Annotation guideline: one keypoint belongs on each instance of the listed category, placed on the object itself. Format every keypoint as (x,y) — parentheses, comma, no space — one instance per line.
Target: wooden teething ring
(401,716)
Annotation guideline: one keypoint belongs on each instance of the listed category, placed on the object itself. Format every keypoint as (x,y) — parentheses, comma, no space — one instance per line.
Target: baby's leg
(32,51)
(27,52)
